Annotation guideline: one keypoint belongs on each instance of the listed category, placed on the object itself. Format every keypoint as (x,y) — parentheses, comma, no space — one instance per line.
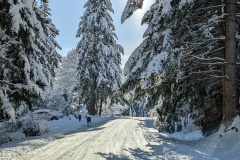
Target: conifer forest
(185,72)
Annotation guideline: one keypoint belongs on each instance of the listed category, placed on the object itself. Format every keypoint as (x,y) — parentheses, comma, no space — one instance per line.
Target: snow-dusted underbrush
(4,138)
(222,135)
(184,129)
(10,132)
(22,128)
(33,127)
(3,133)
(59,136)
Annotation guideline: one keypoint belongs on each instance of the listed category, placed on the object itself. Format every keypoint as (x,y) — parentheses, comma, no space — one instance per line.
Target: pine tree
(131,6)
(98,72)
(25,66)
(191,82)
(50,46)
(66,73)
(144,66)
(206,52)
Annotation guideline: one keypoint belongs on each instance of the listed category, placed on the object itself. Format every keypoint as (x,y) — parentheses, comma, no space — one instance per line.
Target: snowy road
(117,139)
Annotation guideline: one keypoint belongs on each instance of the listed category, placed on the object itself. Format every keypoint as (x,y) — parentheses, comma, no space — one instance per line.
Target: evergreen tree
(191,82)
(50,46)
(66,73)
(202,53)
(202,78)
(144,66)
(131,6)
(98,72)
(25,68)
(51,99)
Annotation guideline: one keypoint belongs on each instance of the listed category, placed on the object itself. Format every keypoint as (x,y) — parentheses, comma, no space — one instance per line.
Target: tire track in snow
(61,148)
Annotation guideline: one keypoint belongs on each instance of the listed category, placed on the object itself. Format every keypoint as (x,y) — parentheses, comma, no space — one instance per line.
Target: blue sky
(66,16)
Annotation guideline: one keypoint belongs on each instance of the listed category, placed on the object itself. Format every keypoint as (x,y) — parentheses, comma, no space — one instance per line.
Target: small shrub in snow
(14,126)
(4,138)
(188,125)
(59,136)
(159,125)
(32,127)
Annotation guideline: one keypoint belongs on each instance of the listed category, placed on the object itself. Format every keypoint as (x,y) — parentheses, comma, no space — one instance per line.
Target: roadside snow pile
(31,127)
(19,145)
(193,136)
(197,135)
(221,145)
(8,133)
(226,143)
(22,129)
(16,136)
(70,123)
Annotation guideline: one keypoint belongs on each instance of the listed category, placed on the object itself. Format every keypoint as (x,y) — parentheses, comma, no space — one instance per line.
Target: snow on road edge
(59,129)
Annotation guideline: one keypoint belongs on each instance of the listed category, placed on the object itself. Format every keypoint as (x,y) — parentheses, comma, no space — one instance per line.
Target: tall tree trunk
(100,109)
(93,97)
(1,111)
(221,32)
(230,94)
(79,101)
(97,104)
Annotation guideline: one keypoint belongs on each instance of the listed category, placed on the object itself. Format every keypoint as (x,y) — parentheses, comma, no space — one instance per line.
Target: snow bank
(15,144)
(17,136)
(70,123)
(193,136)
(222,145)
(220,136)
(54,129)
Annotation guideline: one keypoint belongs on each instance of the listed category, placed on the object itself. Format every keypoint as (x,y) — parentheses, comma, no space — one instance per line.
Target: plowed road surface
(120,138)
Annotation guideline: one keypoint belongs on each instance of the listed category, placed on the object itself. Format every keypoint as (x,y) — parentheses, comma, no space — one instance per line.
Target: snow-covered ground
(58,129)
(118,133)
(218,146)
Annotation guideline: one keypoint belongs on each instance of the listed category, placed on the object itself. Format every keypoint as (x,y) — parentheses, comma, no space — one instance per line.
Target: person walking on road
(79,117)
(88,121)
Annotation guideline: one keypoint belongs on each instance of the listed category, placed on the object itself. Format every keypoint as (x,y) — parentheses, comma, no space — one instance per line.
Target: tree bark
(1,111)
(79,99)
(221,32)
(230,94)
(93,97)
(100,109)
